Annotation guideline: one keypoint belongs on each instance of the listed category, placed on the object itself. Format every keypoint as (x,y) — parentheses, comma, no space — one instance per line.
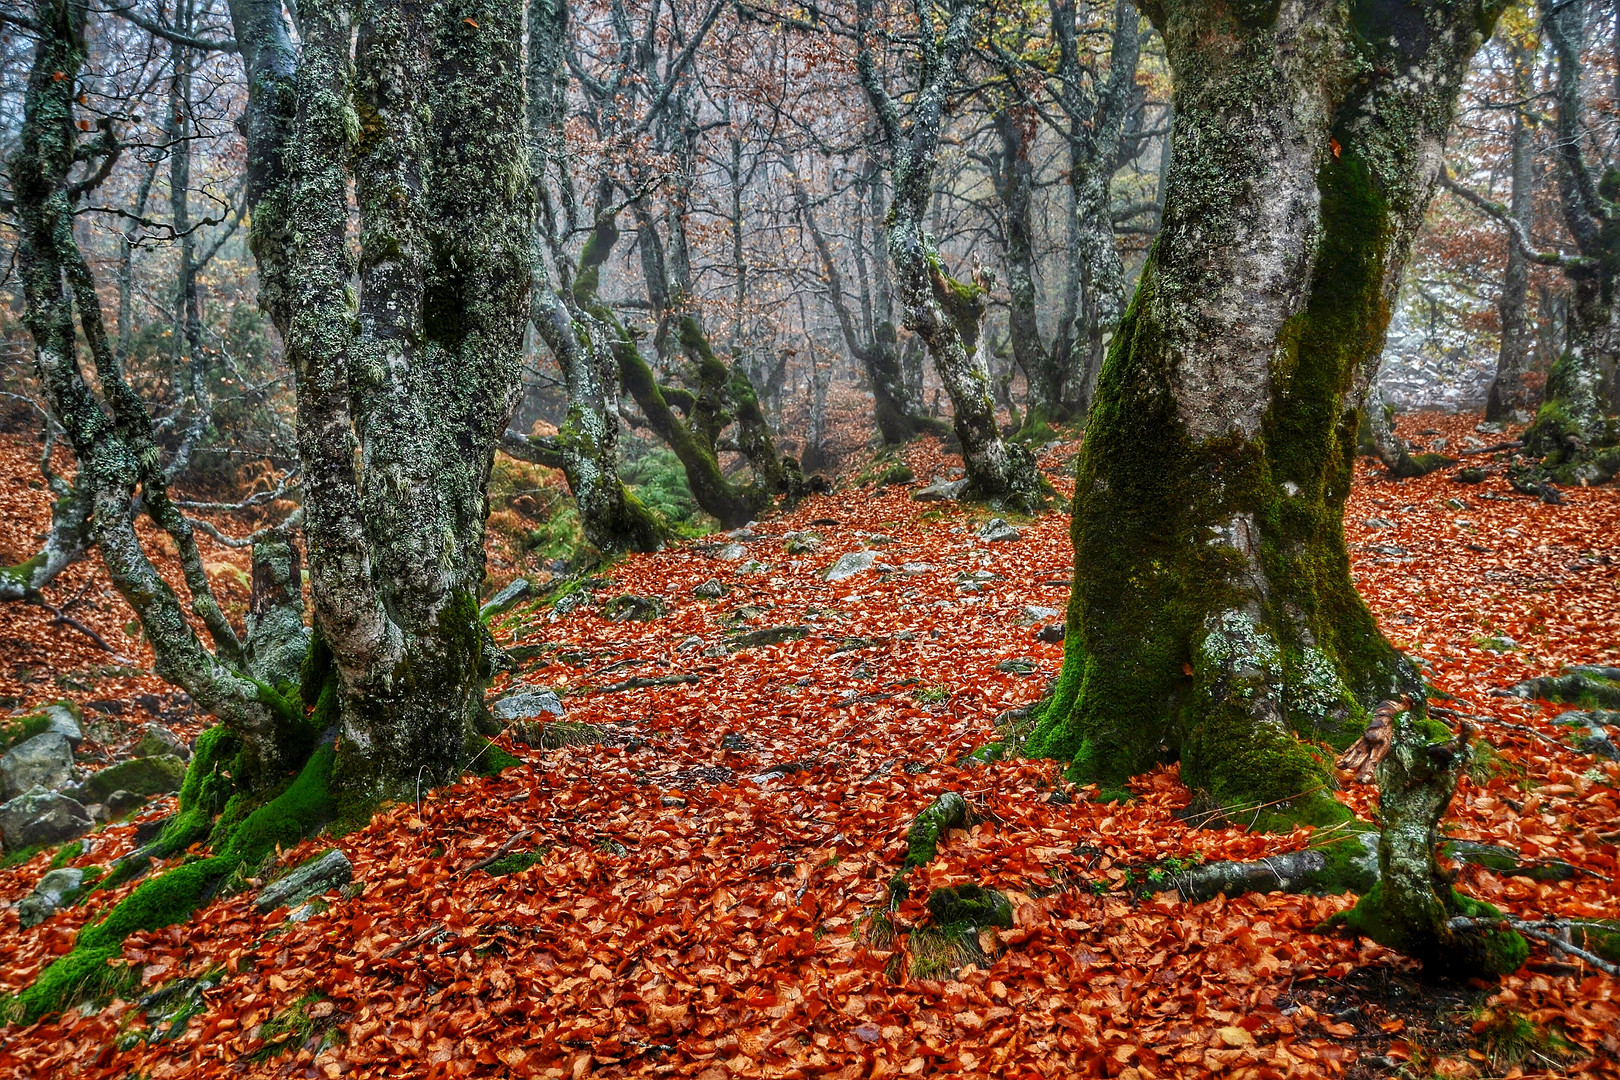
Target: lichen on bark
(1213,619)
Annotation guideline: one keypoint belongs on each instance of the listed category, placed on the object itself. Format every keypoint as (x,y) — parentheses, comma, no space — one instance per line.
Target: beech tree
(945,312)
(1213,618)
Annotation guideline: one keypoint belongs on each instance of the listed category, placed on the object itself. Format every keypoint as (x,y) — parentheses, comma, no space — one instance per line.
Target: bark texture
(1509,398)
(404,389)
(1411,906)
(1213,618)
(945,313)
(587,442)
(1573,431)
(111,433)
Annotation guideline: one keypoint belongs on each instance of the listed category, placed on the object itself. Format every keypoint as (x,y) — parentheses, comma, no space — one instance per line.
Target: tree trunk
(1572,431)
(945,313)
(1213,617)
(612,518)
(1094,294)
(1411,905)
(1509,398)
(1015,186)
(878,349)
(422,383)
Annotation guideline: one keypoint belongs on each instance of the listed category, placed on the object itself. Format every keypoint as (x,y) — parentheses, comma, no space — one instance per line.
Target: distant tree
(946,313)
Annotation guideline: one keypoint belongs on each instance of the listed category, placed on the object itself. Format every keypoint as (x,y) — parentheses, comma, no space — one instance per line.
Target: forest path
(693,895)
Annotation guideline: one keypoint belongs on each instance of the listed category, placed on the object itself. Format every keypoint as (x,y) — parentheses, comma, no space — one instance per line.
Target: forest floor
(693,893)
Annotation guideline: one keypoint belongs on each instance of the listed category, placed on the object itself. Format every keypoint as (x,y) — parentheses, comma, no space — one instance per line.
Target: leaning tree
(411,119)
(1213,618)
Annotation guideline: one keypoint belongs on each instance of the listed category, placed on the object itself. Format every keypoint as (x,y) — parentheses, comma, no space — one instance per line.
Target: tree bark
(1213,618)
(1572,431)
(612,518)
(945,313)
(874,345)
(112,436)
(1509,397)
(401,403)
(1411,906)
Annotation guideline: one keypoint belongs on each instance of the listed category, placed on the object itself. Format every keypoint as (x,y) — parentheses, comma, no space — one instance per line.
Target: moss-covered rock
(141,776)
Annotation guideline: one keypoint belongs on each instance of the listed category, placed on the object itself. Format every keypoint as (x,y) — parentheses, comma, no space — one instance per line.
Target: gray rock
(1032,613)
(1020,666)
(317,876)
(1379,523)
(711,590)
(48,896)
(847,566)
(528,704)
(752,566)
(43,761)
(157,740)
(732,553)
(505,599)
(687,644)
(63,722)
(41,817)
(157,775)
(997,531)
(801,543)
(941,490)
(743,535)
(770,635)
(120,803)
(631,608)
(1051,633)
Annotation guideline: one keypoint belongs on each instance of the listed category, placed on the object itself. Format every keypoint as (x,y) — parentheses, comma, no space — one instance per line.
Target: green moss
(515,863)
(172,896)
(20,729)
(1421,935)
(488,759)
(21,855)
(969,907)
(67,854)
(289,1029)
(142,776)
(896,474)
(946,812)
(80,975)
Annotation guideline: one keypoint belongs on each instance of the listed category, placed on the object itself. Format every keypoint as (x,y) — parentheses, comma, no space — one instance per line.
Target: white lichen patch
(1315,688)
(1236,644)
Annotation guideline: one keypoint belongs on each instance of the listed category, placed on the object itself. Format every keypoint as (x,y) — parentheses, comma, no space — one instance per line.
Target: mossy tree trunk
(1213,619)
(1411,905)
(1573,431)
(1099,146)
(111,432)
(711,490)
(1509,396)
(401,402)
(587,443)
(944,312)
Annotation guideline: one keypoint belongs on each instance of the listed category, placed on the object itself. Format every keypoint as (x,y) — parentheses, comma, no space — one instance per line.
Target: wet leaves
(696,908)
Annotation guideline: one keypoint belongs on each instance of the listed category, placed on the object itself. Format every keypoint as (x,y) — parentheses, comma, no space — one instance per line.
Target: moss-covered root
(1349,864)
(922,838)
(949,938)
(1410,908)
(297,812)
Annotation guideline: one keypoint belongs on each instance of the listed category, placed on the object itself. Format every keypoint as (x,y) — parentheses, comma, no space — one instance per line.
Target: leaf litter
(700,894)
